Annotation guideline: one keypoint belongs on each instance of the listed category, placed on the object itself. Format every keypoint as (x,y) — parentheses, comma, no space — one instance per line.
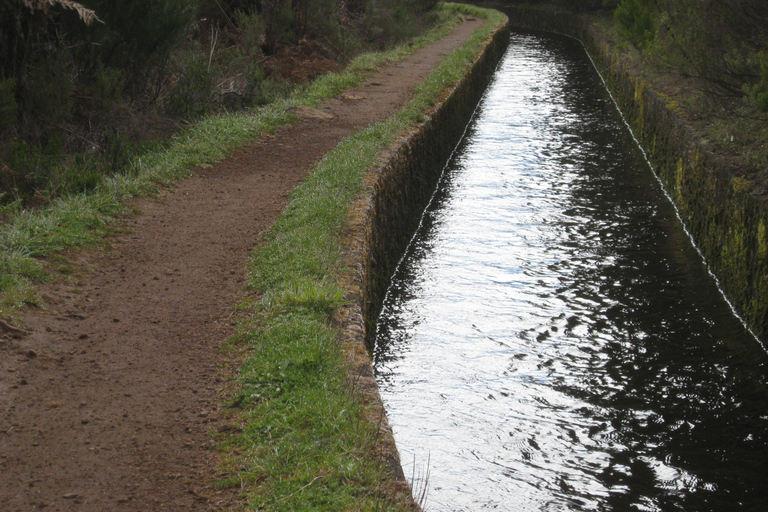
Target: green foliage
(47,93)
(635,21)
(279,18)
(108,87)
(388,23)
(252,26)
(78,180)
(722,45)
(190,97)
(139,34)
(29,168)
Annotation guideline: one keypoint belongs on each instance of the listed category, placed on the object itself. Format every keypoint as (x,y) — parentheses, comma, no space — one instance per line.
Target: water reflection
(552,341)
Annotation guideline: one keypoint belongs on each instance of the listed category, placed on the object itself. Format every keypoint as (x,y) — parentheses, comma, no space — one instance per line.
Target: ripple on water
(552,341)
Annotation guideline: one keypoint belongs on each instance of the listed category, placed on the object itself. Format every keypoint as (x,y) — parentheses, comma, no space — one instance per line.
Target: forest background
(87,86)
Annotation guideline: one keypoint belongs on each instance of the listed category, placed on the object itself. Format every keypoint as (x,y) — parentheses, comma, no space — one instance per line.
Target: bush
(28,168)
(190,97)
(136,36)
(721,44)
(635,21)
(279,18)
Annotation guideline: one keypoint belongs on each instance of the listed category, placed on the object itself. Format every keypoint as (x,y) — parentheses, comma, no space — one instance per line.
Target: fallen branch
(11,328)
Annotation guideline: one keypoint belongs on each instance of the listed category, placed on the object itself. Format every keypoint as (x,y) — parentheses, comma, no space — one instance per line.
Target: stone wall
(384,219)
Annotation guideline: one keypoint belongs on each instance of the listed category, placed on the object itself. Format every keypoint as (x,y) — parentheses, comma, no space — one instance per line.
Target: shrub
(279,18)
(190,97)
(28,168)
(47,93)
(136,36)
(635,21)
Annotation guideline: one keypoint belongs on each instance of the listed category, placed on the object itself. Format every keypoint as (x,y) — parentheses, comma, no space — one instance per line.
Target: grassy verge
(304,444)
(30,237)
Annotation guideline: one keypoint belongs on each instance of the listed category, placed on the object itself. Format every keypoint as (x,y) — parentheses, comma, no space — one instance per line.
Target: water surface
(552,340)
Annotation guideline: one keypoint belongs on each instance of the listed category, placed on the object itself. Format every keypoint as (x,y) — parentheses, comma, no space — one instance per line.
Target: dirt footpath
(108,403)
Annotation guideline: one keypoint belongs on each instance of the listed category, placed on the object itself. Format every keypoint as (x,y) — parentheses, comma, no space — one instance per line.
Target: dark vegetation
(85,86)
(709,58)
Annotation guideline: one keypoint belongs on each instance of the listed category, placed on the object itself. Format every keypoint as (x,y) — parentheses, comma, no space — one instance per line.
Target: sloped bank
(727,222)
(383,219)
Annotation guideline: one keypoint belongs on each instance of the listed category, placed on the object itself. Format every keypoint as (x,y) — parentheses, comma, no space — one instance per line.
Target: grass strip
(305,445)
(27,237)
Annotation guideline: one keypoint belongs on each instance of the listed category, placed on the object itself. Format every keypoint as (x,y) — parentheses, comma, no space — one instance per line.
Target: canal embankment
(724,213)
(314,419)
(395,192)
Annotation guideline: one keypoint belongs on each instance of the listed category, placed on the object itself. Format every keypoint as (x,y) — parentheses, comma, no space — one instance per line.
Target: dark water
(552,340)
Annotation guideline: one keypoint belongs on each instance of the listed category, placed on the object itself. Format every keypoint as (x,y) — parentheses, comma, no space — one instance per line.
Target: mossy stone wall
(728,224)
(382,222)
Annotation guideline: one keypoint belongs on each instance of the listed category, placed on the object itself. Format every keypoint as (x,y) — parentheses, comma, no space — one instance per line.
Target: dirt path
(107,405)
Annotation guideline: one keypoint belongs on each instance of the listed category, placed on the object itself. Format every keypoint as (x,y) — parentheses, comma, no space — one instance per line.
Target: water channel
(552,340)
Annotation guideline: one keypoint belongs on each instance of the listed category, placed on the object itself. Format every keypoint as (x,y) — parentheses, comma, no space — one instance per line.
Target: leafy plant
(190,98)
(635,21)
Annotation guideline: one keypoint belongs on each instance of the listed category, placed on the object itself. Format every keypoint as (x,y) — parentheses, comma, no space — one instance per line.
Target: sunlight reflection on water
(552,341)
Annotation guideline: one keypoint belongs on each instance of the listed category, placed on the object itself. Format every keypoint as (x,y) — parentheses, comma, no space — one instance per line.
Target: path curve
(107,405)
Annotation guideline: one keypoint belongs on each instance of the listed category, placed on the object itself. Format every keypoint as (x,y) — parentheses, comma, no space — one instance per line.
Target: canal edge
(381,222)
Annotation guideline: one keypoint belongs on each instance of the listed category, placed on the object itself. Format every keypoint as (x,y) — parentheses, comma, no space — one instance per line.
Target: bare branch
(88,16)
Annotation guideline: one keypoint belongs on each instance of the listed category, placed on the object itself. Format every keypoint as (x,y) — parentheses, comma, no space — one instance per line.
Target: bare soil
(109,402)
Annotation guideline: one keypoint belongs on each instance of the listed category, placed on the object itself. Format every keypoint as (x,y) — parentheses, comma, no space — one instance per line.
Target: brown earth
(109,401)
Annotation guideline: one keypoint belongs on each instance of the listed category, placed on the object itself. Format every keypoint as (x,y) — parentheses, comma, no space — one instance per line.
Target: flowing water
(552,340)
